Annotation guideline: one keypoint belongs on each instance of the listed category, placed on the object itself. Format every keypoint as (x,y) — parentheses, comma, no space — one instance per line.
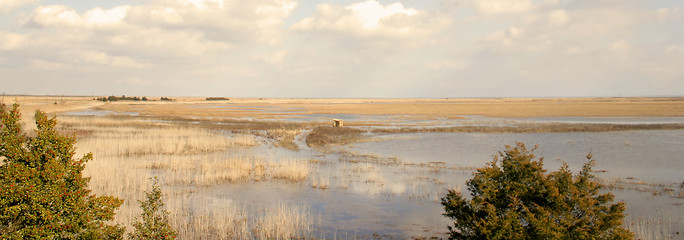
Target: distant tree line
(125,98)
(217,99)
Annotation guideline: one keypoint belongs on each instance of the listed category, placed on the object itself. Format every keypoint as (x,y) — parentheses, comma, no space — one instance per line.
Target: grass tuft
(323,136)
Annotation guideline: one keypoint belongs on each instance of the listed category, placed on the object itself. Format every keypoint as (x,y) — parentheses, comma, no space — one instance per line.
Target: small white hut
(337,123)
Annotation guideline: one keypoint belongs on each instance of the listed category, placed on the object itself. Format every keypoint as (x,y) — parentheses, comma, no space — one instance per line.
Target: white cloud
(275,58)
(502,6)
(203,4)
(63,16)
(675,49)
(447,65)
(370,13)
(12,41)
(558,17)
(257,20)
(370,18)
(157,42)
(136,82)
(102,58)
(9,5)
(505,38)
(575,50)
(594,24)
(621,47)
(47,65)
(157,31)
(670,14)
(515,32)
(228,20)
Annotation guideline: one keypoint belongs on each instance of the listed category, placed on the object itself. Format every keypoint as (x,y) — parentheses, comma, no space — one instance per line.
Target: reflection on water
(344,214)
(652,156)
(398,193)
(353,200)
(400,198)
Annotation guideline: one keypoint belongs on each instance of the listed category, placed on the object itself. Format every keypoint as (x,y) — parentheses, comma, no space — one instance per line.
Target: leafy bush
(155,220)
(513,198)
(44,195)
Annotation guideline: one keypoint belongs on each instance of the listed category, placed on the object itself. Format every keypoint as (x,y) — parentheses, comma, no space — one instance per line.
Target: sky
(343,48)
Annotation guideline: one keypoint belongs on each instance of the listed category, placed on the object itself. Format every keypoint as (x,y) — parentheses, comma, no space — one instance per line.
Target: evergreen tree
(513,198)
(44,194)
(155,220)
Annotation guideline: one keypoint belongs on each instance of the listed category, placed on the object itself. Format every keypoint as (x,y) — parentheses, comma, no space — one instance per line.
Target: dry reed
(650,228)
(284,137)
(290,169)
(226,219)
(128,152)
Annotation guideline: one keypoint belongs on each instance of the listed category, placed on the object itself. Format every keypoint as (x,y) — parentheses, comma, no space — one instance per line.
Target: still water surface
(401,200)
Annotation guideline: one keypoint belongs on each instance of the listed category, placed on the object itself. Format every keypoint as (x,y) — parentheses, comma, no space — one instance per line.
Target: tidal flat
(275,168)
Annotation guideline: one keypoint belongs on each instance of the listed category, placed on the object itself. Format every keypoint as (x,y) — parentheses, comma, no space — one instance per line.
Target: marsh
(275,168)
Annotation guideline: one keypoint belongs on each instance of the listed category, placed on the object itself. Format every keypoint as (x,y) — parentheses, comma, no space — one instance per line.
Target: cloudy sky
(343,48)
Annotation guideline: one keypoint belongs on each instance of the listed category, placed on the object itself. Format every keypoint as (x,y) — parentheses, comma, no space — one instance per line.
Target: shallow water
(650,158)
(401,200)
(98,113)
(607,120)
(341,213)
(392,186)
(396,192)
(359,200)
(654,156)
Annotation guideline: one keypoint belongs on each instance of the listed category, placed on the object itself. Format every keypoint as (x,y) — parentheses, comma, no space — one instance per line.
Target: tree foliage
(155,220)
(512,197)
(44,195)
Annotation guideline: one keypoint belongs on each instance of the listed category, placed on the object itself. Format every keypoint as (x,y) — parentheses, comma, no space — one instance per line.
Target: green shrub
(155,220)
(44,195)
(513,198)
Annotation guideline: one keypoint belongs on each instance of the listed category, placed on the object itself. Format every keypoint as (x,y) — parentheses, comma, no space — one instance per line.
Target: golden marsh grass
(129,152)
(226,219)
(450,108)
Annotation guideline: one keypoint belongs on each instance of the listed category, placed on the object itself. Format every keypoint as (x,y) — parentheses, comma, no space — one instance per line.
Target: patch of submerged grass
(324,136)
(228,219)
(290,169)
(537,128)
(651,228)
(284,137)
(281,133)
(673,190)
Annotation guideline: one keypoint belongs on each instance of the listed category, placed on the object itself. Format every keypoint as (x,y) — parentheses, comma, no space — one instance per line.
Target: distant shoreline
(275,108)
